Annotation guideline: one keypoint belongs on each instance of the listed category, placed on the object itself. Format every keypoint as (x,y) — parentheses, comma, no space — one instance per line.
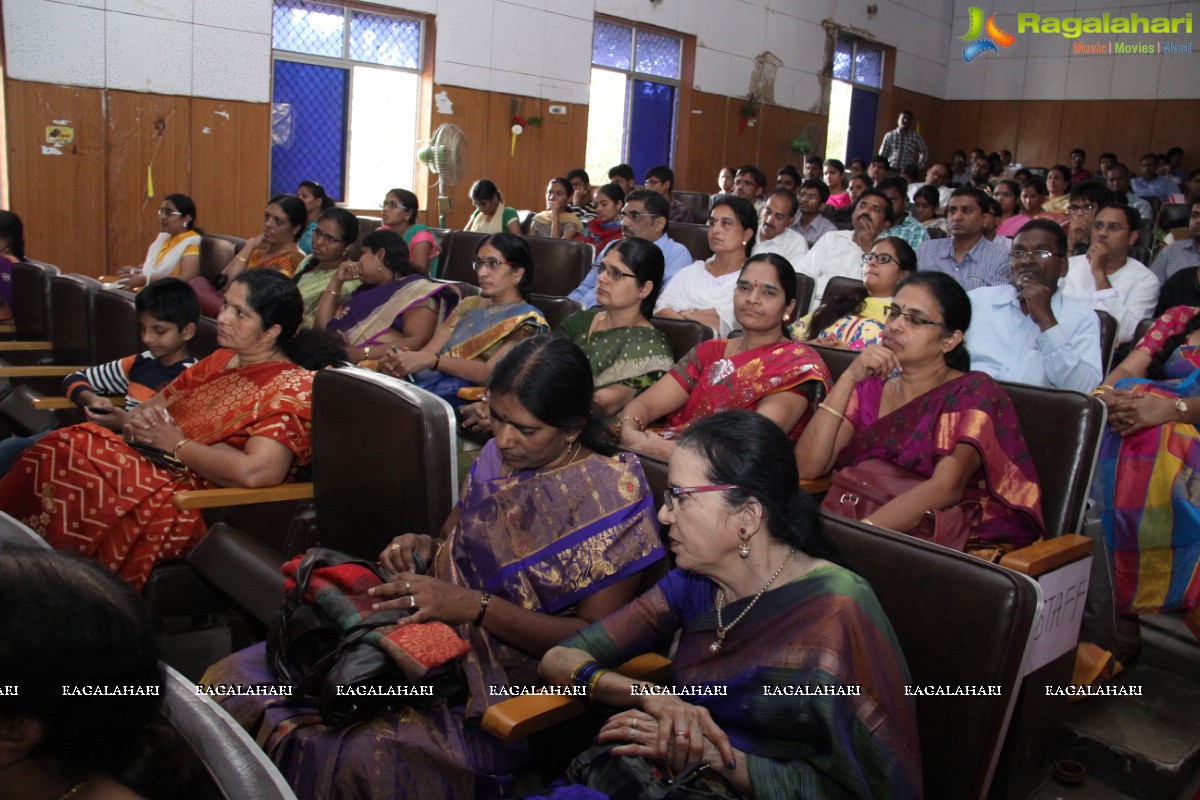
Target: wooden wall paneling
(470,112)
(960,128)
(998,123)
(1130,126)
(230,164)
(1082,127)
(1038,133)
(741,144)
(705,143)
(59,197)
(145,132)
(929,113)
(1175,124)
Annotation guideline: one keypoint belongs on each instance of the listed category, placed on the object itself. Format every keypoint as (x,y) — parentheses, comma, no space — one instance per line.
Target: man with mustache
(841,252)
(644,216)
(774,235)
(1027,331)
(967,256)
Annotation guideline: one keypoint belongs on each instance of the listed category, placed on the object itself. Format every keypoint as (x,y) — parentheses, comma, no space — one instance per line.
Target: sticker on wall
(444,104)
(58,135)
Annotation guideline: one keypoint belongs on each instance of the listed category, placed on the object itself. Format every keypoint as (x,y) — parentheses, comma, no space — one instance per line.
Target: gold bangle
(621,423)
(1103,388)
(241,258)
(866,521)
(175,451)
(332,292)
(437,360)
(484,599)
(832,410)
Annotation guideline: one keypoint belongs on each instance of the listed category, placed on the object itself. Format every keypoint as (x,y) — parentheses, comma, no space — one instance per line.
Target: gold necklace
(722,630)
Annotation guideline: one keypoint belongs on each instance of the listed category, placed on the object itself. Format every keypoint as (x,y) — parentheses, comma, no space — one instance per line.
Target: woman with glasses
(703,291)
(557,221)
(854,319)
(394,308)
(763,370)
(605,226)
(490,214)
(913,401)
(336,230)
(762,605)
(481,329)
(317,202)
(399,212)
(175,251)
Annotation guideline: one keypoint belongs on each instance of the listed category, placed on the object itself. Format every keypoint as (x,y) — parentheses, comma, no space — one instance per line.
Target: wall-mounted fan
(445,156)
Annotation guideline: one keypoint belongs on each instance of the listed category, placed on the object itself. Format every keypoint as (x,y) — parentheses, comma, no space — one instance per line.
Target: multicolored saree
(544,540)
(372,311)
(813,680)
(85,490)
(715,383)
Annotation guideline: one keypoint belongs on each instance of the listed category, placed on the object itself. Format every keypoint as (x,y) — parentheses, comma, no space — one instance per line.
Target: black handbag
(641,779)
(352,678)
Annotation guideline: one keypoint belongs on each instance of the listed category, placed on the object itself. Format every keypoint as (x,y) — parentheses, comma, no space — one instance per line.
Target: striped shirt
(985,264)
(1175,257)
(138,378)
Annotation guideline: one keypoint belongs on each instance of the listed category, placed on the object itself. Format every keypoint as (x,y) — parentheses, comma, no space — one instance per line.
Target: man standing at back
(903,146)
(774,235)
(644,216)
(967,256)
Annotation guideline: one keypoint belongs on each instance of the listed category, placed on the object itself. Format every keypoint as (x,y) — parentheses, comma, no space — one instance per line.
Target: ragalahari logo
(994,37)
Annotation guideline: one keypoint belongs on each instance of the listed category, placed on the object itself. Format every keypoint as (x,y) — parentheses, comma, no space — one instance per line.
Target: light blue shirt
(1008,345)
(1160,187)
(985,264)
(675,255)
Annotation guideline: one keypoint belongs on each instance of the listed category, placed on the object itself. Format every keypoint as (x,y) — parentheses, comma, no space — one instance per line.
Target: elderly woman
(490,214)
(854,319)
(12,250)
(336,231)
(240,417)
(70,623)
(399,212)
(537,497)
(470,343)
(763,370)
(605,226)
(175,251)
(396,307)
(1148,458)
(557,221)
(912,401)
(316,202)
(703,291)
(754,612)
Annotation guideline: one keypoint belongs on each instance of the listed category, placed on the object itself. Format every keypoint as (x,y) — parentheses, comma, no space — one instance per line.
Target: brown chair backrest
(840,284)
(115,325)
(1173,215)
(204,343)
(683,334)
(454,264)
(31,299)
(1142,329)
(554,309)
(806,287)
(835,358)
(217,250)
(949,643)
(558,264)
(1108,340)
(360,510)
(936,233)
(694,200)
(1062,430)
(71,320)
(693,237)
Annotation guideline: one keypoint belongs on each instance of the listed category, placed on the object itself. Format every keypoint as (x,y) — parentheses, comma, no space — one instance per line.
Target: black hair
(791,172)
(981,198)
(1013,187)
(623,171)
(1038,185)
(346,220)
(12,229)
(1063,170)
(1131,215)
(1106,156)
(395,251)
(813,160)
(552,379)
(835,163)
(752,453)
(645,260)
(566,184)
(1092,191)
(994,208)
(612,192)
(1051,227)
(410,203)
(787,279)
(962,153)
(1175,151)
(1156,369)
(517,253)
(1022,172)
(484,190)
(169,300)
(1144,156)
(892,182)
(185,206)
(864,177)
(877,159)
(663,173)
(68,621)
(910,172)
(859,161)
(744,211)
(889,213)
(812,183)
(1079,150)
(318,191)
(277,301)
(930,195)
(853,301)
(654,202)
(754,172)
(955,306)
(294,210)
(578,172)
(787,193)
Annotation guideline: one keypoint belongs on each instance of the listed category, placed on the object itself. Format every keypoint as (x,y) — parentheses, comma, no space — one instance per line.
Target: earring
(744,547)
(570,440)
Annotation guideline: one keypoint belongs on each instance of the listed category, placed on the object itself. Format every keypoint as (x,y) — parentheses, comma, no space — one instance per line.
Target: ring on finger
(408,586)
(412,601)
(684,734)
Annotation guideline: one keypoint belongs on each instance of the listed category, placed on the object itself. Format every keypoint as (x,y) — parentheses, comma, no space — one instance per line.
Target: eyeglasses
(881,258)
(614,274)
(892,312)
(1111,227)
(1036,255)
(1075,208)
(393,205)
(488,263)
(634,216)
(670,494)
(321,236)
(169,212)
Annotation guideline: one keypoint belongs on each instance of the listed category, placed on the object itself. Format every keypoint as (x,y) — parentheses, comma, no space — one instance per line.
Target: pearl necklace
(722,630)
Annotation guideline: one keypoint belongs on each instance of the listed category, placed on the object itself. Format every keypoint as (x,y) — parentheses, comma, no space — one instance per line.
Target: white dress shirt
(695,287)
(834,254)
(1131,299)
(788,244)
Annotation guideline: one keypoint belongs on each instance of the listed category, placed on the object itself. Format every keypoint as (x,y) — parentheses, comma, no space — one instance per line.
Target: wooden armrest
(59,403)
(52,371)
(816,485)
(21,347)
(8,327)
(1041,557)
(472,394)
(522,716)
(221,498)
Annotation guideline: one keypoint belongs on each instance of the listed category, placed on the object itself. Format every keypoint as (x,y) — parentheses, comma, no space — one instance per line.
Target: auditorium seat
(693,237)
(683,334)
(31,299)
(839,284)
(554,309)
(216,251)
(1108,340)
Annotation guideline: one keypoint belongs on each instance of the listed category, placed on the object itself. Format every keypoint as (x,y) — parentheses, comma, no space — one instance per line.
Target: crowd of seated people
(1009,293)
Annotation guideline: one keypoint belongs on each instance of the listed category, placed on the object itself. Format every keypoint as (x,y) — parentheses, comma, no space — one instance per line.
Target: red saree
(84,489)
(715,383)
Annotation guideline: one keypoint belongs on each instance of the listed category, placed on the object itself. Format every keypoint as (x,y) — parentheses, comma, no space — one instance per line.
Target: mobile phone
(99,410)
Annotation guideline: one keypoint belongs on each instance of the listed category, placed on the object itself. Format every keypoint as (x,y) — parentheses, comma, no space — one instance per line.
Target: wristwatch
(1181,407)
